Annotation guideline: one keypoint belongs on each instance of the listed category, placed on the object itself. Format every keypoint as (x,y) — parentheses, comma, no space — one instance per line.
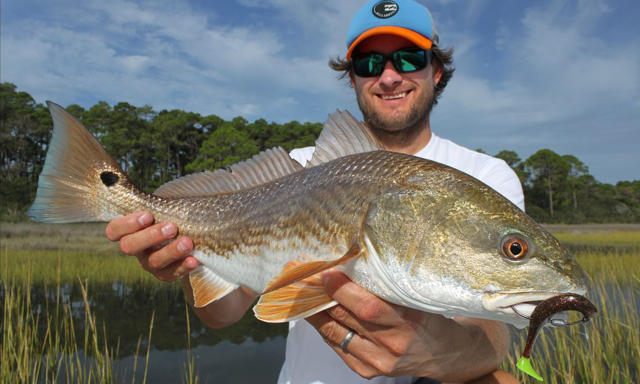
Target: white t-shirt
(308,359)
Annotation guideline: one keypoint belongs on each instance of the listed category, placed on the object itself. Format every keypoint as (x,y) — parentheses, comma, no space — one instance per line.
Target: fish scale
(285,216)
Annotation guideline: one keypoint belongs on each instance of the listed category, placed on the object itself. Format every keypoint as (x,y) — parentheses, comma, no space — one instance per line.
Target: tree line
(155,147)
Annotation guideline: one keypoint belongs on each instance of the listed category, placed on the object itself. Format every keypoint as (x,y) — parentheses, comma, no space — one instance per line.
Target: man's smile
(394,96)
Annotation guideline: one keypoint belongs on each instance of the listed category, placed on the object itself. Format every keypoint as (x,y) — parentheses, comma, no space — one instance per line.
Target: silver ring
(347,339)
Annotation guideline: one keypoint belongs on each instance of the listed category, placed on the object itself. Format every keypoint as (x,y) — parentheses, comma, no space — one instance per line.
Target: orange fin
(208,287)
(299,271)
(295,301)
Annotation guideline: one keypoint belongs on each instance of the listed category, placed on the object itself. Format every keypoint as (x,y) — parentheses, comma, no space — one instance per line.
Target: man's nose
(389,76)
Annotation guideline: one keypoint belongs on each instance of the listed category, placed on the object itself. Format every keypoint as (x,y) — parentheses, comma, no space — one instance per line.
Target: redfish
(412,231)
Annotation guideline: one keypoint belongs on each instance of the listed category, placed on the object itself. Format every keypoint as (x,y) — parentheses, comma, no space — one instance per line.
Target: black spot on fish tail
(109,178)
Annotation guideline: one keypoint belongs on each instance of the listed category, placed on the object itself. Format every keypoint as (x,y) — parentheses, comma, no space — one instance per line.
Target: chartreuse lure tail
(524,364)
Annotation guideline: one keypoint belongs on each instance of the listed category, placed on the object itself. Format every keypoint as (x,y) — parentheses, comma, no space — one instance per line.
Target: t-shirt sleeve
(302,155)
(499,176)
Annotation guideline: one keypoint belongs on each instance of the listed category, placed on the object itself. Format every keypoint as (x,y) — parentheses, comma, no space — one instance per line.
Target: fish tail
(79,182)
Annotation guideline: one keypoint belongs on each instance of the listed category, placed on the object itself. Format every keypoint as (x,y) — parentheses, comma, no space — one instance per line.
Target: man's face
(394,102)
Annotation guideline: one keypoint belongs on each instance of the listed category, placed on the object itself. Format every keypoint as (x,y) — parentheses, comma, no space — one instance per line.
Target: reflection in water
(225,362)
(249,351)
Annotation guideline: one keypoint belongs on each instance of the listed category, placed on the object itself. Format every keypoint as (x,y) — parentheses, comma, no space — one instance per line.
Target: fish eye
(515,247)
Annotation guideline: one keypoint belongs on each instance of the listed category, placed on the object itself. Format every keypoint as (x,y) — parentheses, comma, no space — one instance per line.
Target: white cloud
(135,64)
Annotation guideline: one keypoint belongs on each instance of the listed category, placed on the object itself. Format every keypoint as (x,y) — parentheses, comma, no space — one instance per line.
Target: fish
(414,232)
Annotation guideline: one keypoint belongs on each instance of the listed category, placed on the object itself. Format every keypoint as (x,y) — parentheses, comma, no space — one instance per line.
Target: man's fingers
(362,304)
(127,225)
(335,333)
(331,331)
(144,239)
(169,254)
(166,260)
(171,261)
(177,269)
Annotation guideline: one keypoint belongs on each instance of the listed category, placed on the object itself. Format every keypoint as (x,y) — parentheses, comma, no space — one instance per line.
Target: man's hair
(440,57)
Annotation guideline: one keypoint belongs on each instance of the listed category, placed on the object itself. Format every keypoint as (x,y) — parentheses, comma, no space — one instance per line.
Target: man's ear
(353,79)
(438,71)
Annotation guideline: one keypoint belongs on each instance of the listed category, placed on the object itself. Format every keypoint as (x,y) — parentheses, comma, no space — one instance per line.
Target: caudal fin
(79,181)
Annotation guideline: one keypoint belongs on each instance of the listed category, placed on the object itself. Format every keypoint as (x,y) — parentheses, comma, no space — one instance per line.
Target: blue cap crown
(405,18)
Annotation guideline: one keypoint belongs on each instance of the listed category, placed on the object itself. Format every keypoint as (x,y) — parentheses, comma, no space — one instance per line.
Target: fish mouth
(519,305)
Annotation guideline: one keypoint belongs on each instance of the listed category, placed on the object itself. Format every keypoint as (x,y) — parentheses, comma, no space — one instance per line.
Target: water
(249,351)
(249,362)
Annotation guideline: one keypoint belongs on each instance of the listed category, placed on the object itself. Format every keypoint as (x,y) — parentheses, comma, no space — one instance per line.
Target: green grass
(45,266)
(612,238)
(29,236)
(616,268)
(40,344)
(47,252)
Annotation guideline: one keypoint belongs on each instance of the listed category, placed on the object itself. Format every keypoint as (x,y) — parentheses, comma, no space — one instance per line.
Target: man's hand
(170,260)
(149,243)
(392,340)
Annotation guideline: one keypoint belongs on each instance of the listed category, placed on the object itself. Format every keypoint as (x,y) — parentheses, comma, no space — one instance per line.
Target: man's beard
(401,130)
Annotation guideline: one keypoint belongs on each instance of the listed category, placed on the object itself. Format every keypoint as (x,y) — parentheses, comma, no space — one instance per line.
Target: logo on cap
(385,9)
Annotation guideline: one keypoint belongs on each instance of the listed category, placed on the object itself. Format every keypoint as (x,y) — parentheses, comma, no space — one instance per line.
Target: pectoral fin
(297,291)
(301,271)
(297,300)
(208,287)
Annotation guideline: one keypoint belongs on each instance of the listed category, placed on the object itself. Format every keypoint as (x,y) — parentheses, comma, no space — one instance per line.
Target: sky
(547,74)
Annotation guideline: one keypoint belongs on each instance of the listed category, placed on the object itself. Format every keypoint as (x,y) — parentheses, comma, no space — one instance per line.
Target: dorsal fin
(341,136)
(269,165)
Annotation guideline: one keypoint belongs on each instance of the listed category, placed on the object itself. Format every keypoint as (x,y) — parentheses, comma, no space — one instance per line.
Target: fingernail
(192,263)
(169,230)
(183,246)
(145,219)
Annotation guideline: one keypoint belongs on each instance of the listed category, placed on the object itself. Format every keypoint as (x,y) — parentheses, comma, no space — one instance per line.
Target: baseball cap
(405,18)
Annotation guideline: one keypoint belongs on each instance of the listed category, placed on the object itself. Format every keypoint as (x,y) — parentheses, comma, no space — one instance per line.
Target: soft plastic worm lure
(543,312)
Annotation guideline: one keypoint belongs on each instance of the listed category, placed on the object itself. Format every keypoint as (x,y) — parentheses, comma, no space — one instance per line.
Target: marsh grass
(88,237)
(45,266)
(614,238)
(189,368)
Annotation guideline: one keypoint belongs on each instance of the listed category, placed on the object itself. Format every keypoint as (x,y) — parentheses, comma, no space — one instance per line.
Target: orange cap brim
(408,34)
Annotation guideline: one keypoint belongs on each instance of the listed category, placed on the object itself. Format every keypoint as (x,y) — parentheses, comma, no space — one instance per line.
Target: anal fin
(208,287)
(297,300)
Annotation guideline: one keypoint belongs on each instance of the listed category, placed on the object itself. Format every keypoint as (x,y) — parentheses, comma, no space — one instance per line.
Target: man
(398,71)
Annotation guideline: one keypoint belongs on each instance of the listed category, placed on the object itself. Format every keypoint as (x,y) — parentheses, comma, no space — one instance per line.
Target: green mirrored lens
(369,66)
(409,60)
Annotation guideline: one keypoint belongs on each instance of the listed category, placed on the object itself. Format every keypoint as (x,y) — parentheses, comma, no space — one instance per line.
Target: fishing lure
(543,312)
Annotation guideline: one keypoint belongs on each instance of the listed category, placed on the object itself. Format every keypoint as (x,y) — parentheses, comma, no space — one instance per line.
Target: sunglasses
(404,61)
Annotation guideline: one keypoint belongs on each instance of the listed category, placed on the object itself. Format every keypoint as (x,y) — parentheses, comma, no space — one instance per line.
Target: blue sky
(563,75)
